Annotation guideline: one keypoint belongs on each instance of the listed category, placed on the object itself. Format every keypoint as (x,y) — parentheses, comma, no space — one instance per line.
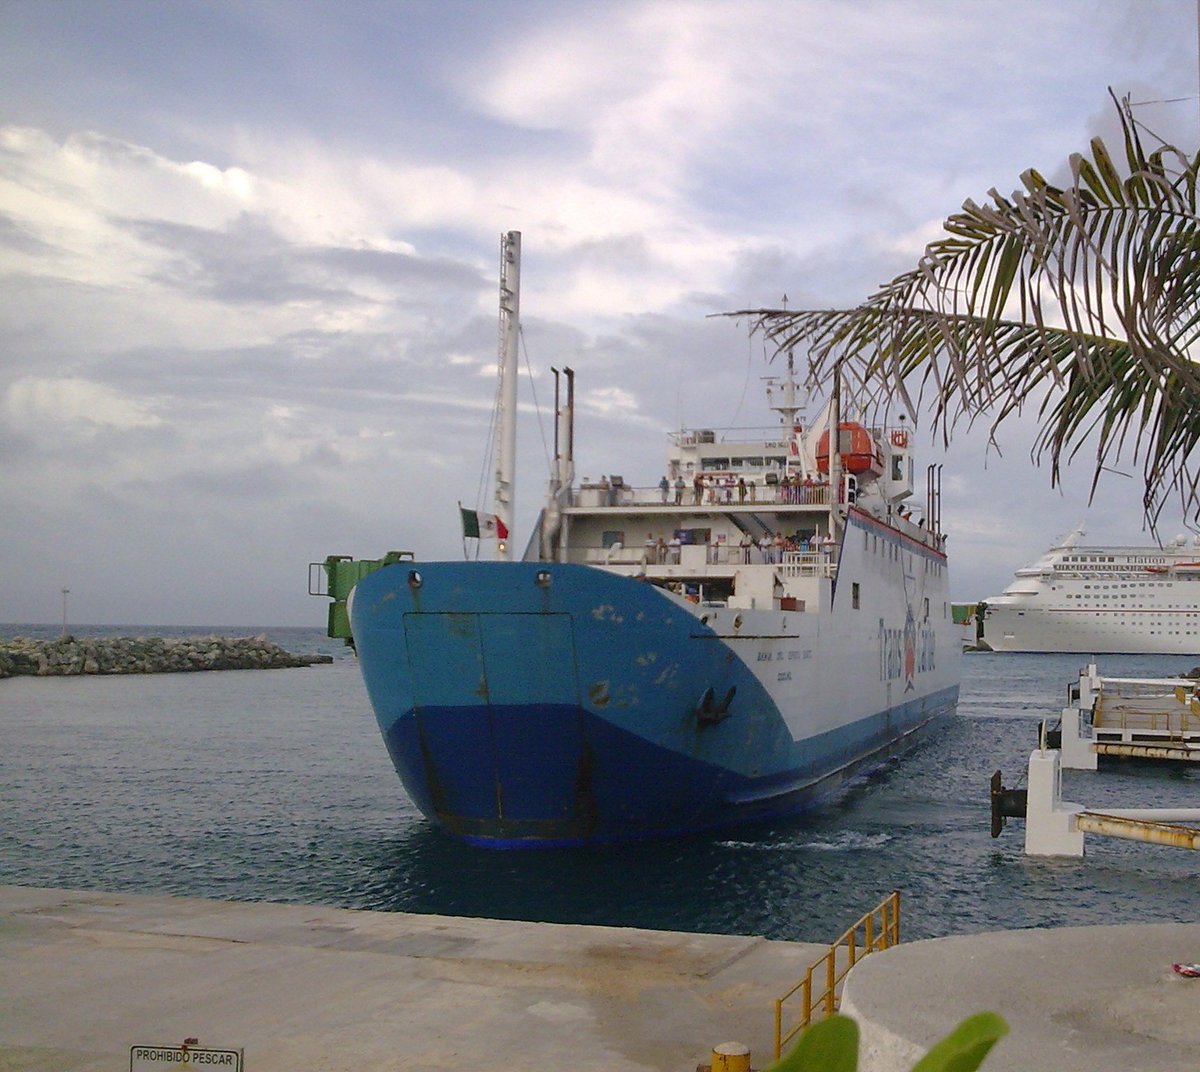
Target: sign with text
(176,1058)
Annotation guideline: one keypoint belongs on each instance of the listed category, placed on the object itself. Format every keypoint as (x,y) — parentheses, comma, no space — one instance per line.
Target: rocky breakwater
(145,655)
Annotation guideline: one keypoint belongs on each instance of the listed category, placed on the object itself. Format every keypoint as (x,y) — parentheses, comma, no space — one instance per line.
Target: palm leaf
(1083,302)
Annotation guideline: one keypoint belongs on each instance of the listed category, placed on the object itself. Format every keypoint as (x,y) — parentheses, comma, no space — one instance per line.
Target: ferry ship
(1100,600)
(732,638)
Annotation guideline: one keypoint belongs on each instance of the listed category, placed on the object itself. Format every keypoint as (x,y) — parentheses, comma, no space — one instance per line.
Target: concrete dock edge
(304,988)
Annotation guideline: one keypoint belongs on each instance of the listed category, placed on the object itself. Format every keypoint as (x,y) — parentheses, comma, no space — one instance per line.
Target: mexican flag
(482,526)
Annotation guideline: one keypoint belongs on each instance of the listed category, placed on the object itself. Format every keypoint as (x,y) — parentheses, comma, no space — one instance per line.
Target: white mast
(788,406)
(506,420)
(835,453)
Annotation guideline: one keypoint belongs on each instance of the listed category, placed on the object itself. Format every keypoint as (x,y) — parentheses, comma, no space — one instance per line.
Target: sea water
(274,785)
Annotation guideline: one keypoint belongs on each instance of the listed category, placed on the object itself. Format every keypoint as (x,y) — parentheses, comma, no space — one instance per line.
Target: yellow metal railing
(880,928)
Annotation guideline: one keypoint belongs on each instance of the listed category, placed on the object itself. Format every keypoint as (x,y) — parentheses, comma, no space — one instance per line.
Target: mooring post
(1050,827)
(731,1057)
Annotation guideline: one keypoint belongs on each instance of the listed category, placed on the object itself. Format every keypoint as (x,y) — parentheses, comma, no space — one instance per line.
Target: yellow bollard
(731,1057)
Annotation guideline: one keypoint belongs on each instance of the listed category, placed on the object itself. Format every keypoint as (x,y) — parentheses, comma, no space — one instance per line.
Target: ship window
(714,463)
(611,538)
(897,467)
(854,595)
(752,463)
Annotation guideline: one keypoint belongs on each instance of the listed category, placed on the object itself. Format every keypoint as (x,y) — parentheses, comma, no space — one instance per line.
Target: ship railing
(790,564)
(693,555)
(627,496)
(819,992)
(746,433)
(807,564)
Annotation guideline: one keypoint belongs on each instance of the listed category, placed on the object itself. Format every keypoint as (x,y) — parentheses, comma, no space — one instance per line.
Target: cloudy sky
(249,255)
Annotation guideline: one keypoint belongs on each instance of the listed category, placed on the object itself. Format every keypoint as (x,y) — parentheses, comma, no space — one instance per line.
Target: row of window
(891,550)
(1117,624)
(1157,586)
(1140,562)
(718,464)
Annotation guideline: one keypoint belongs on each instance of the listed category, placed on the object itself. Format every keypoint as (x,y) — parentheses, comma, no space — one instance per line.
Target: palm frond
(1084,301)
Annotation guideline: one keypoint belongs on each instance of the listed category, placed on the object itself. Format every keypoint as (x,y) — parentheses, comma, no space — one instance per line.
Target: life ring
(899,438)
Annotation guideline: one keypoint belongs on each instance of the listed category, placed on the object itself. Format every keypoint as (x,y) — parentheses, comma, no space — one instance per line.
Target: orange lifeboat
(859,452)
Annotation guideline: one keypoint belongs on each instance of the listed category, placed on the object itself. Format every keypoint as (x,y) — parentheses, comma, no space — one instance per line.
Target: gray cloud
(16,236)
(250,262)
(198,398)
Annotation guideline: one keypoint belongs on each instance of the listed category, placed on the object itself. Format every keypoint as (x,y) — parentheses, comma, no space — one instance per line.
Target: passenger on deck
(664,486)
(698,489)
(741,486)
(679,486)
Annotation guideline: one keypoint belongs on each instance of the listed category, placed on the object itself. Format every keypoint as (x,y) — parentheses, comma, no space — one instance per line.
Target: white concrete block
(1050,827)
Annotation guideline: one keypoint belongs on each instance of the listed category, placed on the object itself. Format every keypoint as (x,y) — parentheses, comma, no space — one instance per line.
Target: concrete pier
(84,977)
(87,976)
(1077,999)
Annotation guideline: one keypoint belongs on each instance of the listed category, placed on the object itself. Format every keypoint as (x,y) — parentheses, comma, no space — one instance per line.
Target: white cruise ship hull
(1092,632)
(1100,601)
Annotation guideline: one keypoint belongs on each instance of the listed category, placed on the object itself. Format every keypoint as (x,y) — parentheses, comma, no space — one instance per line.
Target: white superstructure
(746,531)
(1101,600)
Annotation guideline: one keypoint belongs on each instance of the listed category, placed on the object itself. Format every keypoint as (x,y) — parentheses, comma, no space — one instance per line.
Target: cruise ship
(1099,600)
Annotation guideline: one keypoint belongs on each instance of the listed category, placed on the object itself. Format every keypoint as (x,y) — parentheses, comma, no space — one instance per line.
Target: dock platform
(298,988)
(1130,718)
(1077,999)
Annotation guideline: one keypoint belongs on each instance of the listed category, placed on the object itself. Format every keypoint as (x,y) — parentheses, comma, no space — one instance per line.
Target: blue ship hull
(539,704)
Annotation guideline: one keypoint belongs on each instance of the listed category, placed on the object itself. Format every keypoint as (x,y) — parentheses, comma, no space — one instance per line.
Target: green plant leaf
(1083,301)
(829,1045)
(964,1049)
